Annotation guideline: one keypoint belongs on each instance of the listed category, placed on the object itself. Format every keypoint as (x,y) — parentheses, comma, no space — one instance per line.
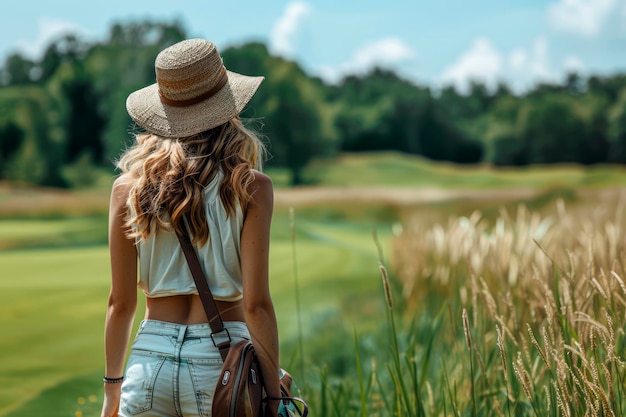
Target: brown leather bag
(240,390)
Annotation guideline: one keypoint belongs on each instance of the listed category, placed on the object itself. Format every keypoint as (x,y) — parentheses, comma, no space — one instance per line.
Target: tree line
(63,115)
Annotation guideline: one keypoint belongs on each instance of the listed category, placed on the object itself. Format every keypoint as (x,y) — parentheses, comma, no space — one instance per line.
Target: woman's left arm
(122,297)
(258,307)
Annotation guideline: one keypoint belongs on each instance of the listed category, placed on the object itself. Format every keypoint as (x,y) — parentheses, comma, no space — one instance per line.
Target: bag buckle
(223,343)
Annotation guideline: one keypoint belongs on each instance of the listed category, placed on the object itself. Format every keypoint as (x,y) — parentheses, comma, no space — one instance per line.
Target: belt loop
(181,333)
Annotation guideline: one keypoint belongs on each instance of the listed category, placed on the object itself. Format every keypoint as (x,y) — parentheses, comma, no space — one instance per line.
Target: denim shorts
(173,369)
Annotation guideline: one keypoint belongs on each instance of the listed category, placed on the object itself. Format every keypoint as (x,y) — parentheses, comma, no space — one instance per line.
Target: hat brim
(145,107)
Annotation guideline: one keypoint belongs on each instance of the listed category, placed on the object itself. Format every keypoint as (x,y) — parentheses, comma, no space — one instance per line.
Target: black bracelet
(108,380)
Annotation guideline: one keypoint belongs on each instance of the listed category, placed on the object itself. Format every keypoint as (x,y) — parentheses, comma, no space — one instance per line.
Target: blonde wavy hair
(169,176)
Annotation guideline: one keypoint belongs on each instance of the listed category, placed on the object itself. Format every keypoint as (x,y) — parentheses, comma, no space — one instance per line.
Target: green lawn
(53,298)
(54,232)
(51,315)
(393,169)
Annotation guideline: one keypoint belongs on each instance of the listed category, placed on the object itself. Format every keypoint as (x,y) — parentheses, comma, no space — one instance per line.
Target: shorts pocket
(204,375)
(138,387)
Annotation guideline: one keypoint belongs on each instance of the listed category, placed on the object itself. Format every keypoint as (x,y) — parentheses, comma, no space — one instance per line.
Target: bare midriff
(188,309)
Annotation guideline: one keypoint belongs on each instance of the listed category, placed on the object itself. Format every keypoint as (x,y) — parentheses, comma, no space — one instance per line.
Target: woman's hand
(111,405)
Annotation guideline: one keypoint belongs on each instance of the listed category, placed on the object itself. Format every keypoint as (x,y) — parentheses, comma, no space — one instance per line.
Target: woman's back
(163,268)
(193,169)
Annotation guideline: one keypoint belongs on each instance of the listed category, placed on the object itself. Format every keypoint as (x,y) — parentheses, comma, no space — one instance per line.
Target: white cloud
(573,64)
(329,74)
(539,65)
(583,17)
(284,31)
(48,29)
(481,63)
(518,59)
(391,52)
(523,66)
(383,52)
(535,67)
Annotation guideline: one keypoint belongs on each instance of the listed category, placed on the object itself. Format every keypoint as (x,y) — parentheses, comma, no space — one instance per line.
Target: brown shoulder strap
(210,308)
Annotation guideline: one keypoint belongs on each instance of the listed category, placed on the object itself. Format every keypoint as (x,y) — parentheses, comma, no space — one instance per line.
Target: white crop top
(163,270)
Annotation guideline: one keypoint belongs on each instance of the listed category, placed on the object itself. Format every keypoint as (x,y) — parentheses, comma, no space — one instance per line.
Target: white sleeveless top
(163,270)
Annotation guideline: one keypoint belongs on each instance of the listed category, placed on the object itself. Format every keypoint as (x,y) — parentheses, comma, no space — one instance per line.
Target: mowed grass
(53,299)
(51,305)
(393,169)
(53,232)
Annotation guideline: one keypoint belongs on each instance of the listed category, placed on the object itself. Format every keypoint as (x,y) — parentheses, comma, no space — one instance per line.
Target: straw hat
(194,92)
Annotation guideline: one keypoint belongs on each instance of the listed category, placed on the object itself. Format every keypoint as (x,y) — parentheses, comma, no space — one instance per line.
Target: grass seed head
(537,346)
(466,330)
(524,378)
(385,278)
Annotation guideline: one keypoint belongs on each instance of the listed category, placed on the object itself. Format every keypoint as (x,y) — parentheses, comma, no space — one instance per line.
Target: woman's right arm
(122,297)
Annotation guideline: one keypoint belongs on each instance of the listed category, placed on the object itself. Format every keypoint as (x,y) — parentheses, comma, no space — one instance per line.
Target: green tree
(594,144)
(441,140)
(369,106)
(288,103)
(11,139)
(609,87)
(37,158)
(552,131)
(475,103)
(509,150)
(381,111)
(616,119)
(84,122)
(17,70)
(66,49)
(293,121)
(146,34)
(120,65)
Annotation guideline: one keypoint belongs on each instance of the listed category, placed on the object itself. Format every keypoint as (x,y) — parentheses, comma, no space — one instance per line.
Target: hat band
(185,103)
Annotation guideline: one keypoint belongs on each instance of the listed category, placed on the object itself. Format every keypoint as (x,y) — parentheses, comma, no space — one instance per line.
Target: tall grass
(543,300)
(521,315)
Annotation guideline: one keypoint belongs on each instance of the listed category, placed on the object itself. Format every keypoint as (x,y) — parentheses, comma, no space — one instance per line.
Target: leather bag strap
(208,302)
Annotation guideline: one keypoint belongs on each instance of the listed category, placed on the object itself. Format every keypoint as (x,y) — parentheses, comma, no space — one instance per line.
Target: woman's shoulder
(261,188)
(122,185)
(260,180)
(120,191)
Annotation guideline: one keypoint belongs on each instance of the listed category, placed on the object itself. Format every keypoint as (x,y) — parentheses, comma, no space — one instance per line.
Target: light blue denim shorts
(173,368)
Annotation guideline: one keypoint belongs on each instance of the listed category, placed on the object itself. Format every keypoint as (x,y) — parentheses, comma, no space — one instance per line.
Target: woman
(194,168)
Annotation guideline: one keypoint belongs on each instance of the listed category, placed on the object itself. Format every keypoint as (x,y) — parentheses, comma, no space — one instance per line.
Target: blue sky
(435,42)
